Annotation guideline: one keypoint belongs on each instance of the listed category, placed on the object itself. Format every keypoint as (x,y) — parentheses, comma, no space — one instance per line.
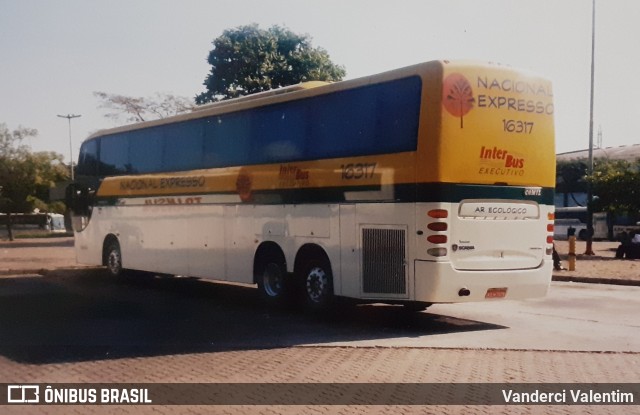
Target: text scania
(163,183)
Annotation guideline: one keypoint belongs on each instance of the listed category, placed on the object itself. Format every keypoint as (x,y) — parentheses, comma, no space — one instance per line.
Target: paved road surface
(85,327)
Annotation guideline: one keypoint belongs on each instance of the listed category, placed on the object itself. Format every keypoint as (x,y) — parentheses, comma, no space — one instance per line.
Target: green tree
(50,169)
(247,59)
(616,185)
(571,178)
(25,177)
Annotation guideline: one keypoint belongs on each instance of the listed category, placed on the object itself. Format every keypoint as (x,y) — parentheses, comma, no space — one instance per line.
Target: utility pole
(589,250)
(69,117)
(599,143)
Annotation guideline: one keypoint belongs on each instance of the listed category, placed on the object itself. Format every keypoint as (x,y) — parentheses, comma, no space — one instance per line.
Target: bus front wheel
(113,258)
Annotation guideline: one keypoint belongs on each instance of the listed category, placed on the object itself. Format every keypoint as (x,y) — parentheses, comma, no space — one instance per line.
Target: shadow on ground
(76,315)
(56,242)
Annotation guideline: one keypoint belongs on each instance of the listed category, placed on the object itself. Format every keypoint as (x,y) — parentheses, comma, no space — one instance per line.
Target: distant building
(629,153)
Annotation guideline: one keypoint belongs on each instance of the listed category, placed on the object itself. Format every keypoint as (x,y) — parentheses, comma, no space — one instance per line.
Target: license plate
(496,293)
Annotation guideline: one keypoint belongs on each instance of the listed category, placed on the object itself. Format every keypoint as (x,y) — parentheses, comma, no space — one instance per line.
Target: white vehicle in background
(577,217)
(562,226)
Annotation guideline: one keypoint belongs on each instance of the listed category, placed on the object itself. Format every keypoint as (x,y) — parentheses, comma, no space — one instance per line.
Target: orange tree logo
(457,96)
(243,186)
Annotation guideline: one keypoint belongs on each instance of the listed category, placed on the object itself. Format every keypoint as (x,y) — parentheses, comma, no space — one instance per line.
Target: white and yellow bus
(427,184)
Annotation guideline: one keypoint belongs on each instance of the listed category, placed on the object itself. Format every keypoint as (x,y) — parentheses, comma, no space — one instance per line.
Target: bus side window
(145,150)
(114,155)
(183,146)
(227,140)
(279,133)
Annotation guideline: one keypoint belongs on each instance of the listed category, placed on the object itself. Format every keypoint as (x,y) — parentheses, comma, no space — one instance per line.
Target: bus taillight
(438,227)
(438,213)
(437,239)
(550,227)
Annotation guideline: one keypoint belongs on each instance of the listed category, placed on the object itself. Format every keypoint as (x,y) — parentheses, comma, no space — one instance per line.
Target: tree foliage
(247,59)
(616,185)
(138,109)
(571,176)
(26,177)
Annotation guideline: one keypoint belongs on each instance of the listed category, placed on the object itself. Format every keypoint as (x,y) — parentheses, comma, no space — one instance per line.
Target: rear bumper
(439,282)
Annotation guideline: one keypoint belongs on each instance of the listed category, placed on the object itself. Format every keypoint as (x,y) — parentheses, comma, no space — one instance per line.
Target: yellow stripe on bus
(378,170)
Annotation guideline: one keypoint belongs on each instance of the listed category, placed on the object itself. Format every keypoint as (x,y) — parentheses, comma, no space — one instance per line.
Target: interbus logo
(457,96)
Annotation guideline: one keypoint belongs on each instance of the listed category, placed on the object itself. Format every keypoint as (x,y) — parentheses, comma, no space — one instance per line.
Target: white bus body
(466,215)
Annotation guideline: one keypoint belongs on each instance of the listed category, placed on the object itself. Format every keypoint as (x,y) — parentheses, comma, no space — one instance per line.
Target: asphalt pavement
(77,325)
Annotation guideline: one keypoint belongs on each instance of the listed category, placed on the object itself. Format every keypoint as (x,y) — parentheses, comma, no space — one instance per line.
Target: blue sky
(54,55)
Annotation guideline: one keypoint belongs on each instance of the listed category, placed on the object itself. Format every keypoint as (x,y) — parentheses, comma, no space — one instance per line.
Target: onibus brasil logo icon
(457,96)
(23,394)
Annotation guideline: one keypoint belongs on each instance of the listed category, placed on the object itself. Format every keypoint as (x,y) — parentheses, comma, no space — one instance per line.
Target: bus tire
(273,283)
(582,235)
(113,258)
(317,285)
(415,306)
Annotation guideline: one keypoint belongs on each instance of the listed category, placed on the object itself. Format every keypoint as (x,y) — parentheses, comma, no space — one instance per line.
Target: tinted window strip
(374,119)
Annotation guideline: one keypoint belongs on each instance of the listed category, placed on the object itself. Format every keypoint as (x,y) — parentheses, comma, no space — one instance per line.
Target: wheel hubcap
(317,282)
(114,261)
(272,279)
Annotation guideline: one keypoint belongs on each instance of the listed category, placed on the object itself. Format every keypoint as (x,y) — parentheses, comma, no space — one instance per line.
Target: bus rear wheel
(415,306)
(318,285)
(273,283)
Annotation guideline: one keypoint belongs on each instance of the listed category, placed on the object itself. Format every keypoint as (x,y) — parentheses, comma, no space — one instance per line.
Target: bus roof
(264,94)
(308,89)
(299,91)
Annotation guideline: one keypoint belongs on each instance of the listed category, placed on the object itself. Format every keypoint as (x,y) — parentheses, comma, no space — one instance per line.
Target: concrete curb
(610,281)
(40,271)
